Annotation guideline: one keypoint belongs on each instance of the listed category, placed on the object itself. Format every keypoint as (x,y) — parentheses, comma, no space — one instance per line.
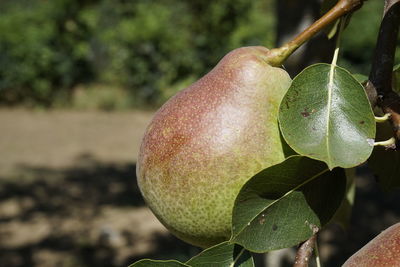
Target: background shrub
(147,48)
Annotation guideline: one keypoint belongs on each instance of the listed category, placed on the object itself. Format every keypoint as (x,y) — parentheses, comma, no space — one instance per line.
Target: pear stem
(278,55)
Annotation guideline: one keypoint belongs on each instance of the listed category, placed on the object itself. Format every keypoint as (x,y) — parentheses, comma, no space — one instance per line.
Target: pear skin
(207,141)
(383,250)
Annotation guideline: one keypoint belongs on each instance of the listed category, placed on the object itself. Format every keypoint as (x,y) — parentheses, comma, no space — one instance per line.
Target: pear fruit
(207,141)
(383,250)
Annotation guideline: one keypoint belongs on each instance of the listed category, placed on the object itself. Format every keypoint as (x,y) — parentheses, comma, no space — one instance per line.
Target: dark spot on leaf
(305,113)
(313,128)
(261,218)
(362,122)
(274,227)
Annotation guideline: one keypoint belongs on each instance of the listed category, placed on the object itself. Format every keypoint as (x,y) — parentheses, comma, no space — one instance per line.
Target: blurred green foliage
(68,52)
(43,50)
(360,37)
(151,49)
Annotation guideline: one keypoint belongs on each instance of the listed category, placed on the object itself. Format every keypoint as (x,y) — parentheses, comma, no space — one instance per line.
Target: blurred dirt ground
(68,193)
(68,196)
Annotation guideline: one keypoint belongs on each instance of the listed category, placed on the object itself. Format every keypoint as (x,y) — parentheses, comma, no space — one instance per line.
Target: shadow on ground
(59,190)
(91,214)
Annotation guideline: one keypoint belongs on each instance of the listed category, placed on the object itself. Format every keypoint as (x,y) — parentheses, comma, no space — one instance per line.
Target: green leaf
(326,115)
(158,263)
(223,255)
(385,164)
(361,78)
(278,206)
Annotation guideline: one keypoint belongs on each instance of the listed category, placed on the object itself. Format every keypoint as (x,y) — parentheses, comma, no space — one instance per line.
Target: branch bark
(292,18)
(379,85)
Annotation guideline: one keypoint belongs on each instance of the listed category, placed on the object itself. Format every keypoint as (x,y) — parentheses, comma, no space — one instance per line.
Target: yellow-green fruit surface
(207,141)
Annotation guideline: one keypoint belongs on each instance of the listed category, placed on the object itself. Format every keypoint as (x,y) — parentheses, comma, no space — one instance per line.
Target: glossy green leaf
(385,163)
(223,255)
(326,115)
(278,207)
(158,263)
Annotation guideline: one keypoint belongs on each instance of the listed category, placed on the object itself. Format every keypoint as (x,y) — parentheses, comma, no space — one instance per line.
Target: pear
(383,250)
(207,141)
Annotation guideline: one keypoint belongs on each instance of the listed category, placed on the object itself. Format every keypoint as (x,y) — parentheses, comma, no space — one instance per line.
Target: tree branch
(304,252)
(343,7)
(379,86)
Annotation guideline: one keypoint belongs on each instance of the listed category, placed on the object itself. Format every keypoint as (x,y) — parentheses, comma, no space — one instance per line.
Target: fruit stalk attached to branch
(343,7)
(379,85)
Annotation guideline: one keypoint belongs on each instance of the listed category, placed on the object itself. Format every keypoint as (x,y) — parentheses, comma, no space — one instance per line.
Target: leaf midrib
(237,258)
(285,195)
(327,136)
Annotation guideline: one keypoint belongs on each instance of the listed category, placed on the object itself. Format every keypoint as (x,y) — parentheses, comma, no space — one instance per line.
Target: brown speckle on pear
(208,140)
